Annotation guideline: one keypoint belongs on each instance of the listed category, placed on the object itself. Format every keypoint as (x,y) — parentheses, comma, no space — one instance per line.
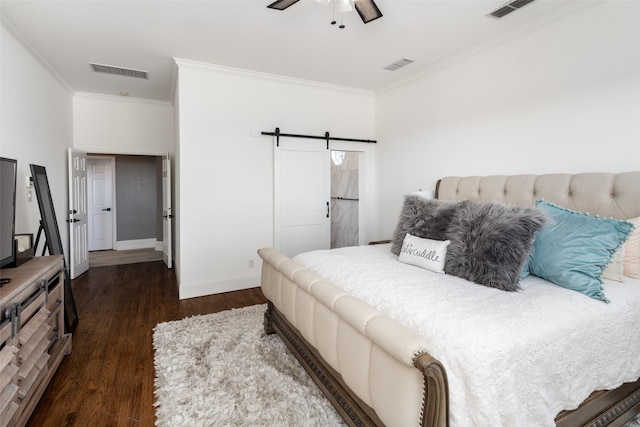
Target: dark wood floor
(107,380)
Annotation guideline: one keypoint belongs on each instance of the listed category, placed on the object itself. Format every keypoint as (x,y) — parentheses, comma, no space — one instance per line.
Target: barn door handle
(107,209)
(327,209)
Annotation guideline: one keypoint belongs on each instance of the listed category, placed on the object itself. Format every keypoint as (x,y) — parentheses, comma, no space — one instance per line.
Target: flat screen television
(8,175)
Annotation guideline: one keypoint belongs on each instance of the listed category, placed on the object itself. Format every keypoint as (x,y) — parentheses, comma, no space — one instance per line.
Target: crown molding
(91,95)
(271,77)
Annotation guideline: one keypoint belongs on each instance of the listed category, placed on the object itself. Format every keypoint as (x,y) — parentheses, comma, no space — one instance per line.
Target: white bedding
(512,358)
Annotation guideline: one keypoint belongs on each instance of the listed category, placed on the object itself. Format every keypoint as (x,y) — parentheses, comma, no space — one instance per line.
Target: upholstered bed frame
(374,370)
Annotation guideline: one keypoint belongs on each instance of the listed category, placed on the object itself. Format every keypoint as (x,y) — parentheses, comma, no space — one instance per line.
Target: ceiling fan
(367,9)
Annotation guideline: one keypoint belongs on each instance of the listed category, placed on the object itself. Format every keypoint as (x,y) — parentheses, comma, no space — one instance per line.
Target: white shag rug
(221,369)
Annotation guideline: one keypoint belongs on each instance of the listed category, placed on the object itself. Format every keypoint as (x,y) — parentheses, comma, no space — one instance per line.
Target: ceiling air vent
(398,64)
(508,8)
(119,71)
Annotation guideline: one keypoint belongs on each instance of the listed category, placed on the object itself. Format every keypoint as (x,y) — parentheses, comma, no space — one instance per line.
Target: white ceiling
(298,42)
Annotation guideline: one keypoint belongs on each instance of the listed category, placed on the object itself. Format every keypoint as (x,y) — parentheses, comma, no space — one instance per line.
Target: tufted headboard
(604,194)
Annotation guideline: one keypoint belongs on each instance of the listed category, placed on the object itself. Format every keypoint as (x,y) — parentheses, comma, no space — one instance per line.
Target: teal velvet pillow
(573,248)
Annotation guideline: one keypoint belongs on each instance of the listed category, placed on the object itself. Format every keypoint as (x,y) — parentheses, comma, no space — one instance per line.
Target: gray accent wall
(139,197)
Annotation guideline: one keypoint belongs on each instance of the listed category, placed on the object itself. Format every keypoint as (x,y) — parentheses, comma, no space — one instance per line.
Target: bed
(353,330)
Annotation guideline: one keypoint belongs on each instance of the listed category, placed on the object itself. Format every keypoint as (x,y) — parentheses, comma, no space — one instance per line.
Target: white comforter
(512,358)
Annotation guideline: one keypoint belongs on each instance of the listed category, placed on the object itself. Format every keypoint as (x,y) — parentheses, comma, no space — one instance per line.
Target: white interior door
(302,192)
(78,217)
(101,203)
(167,216)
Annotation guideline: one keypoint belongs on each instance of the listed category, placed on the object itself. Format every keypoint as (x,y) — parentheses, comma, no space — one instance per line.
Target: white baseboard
(124,245)
(192,290)
(159,246)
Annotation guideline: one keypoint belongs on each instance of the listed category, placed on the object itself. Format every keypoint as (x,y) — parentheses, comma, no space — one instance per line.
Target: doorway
(345,199)
(133,184)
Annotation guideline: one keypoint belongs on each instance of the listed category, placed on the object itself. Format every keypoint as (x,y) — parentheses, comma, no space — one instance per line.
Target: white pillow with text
(425,253)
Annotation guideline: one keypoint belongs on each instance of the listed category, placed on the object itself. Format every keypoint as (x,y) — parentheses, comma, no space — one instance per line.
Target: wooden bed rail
(436,391)
(355,412)
(352,409)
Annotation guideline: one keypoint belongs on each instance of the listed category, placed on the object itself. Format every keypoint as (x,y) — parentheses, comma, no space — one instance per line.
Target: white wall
(175,190)
(225,210)
(36,128)
(562,97)
(121,125)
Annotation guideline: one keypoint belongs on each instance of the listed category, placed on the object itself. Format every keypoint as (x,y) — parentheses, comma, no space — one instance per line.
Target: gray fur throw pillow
(491,242)
(425,218)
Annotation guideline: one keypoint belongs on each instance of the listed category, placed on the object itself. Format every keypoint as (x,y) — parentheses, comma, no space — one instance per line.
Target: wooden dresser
(32,337)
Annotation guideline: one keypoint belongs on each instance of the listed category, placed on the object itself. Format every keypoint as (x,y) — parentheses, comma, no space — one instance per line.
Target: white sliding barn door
(78,216)
(302,193)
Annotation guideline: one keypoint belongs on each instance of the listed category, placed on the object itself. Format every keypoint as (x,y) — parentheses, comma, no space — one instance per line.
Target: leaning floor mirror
(53,243)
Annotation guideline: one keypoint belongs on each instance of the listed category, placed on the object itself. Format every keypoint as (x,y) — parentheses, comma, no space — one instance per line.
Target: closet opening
(345,198)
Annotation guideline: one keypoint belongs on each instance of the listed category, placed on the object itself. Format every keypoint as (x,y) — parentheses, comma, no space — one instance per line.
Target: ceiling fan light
(344,5)
(367,9)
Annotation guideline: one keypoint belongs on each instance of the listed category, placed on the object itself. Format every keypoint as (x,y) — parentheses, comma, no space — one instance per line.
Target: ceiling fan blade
(282,4)
(367,9)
